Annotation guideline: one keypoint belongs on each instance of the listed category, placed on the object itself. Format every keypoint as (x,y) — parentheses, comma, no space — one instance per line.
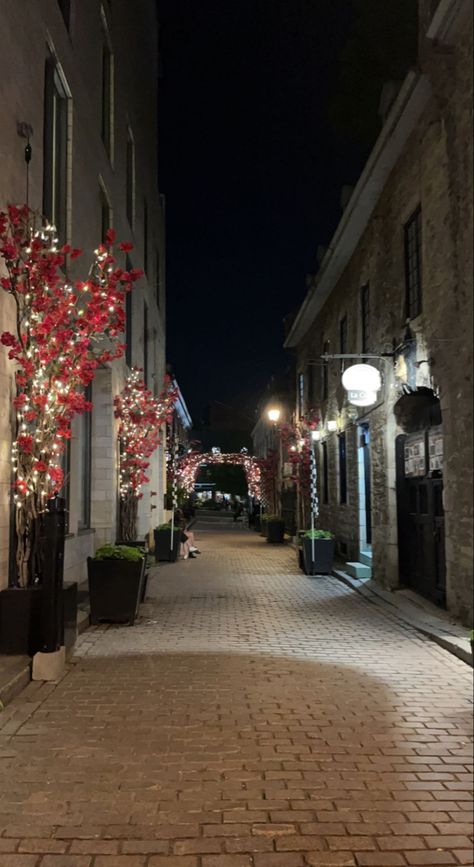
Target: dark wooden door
(420,529)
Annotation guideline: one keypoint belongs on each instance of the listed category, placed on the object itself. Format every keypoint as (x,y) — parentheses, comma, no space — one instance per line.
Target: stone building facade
(82,75)
(396,478)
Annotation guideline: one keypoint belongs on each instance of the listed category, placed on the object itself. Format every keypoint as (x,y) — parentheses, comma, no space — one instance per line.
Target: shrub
(119,552)
(162,527)
(318,534)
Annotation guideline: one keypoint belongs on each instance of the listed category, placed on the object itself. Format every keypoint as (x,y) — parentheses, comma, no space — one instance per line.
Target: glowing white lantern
(332,425)
(274,415)
(316,435)
(362,382)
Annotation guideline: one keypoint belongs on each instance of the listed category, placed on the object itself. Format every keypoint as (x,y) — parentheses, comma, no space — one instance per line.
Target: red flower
(110,236)
(40,466)
(25,443)
(126,246)
(8,339)
(76,252)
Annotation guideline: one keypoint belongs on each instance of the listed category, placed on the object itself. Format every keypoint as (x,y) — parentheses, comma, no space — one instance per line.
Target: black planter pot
(472,653)
(163,550)
(20,620)
(275,531)
(137,543)
(115,589)
(300,558)
(323,556)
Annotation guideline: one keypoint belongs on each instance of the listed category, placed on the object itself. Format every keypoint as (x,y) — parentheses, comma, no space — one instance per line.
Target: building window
(145,236)
(55,149)
(365,316)
(413,276)
(145,343)
(342,469)
(301,394)
(128,318)
(85,440)
(105,213)
(130,179)
(65,491)
(65,7)
(343,336)
(107,94)
(325,373)
(324,447)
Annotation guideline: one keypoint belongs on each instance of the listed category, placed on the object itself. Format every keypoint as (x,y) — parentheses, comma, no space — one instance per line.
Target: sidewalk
(409,607)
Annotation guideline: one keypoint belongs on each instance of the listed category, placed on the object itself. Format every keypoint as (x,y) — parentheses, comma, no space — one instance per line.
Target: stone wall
(434,170)
(29,32)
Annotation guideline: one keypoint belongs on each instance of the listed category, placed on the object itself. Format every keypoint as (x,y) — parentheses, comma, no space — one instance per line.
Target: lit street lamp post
(274,414)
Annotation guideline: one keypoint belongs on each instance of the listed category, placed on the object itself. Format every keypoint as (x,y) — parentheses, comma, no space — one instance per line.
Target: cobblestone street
(254,717)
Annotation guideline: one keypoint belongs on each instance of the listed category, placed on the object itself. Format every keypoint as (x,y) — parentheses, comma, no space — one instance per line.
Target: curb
(16,684)
(458,647)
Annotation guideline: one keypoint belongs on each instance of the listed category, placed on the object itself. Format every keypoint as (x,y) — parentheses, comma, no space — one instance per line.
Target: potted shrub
(322,543)
(275,529)
(116,578)
(163,548)
(263,524)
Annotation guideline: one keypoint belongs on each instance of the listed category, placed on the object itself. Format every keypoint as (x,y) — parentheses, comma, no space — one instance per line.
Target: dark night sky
(252,172)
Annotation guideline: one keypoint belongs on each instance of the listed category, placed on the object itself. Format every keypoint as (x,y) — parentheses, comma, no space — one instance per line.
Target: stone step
(365,557)
(358,570)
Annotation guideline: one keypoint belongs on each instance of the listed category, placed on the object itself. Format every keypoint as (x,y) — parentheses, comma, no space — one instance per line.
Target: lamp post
(274,414)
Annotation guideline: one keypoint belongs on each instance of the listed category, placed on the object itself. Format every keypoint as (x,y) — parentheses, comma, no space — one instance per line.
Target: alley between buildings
(253,717)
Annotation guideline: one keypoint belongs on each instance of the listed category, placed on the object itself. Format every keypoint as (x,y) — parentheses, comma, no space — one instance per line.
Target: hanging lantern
(362,383)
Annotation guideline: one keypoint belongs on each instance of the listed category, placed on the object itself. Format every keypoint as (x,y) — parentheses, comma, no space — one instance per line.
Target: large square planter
(275,531)
(115,589)
(163,549)
(140,543)
(323,556)
(20,620)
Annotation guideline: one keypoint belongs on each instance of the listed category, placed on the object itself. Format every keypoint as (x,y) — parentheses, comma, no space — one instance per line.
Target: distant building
(395,478)
(83,76)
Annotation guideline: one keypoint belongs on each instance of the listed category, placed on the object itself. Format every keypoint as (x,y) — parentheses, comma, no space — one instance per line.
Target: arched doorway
(419,456)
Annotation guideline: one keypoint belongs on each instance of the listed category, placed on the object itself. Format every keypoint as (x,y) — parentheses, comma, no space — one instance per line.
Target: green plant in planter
(119,552)
(265,518)
(317,534)
(161,528)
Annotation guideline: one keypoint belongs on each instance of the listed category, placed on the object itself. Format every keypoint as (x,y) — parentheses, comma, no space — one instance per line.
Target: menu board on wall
(415,455)
(435,447)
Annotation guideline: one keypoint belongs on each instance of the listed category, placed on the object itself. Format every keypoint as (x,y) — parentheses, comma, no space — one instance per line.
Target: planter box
(115,589)
(163,549)
(323,556)
(137,543)
(20,620)
(275,531)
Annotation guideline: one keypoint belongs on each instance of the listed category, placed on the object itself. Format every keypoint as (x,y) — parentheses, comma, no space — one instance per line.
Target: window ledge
(86,531)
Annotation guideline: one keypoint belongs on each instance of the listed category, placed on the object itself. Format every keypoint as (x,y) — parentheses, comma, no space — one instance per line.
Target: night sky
(252,163)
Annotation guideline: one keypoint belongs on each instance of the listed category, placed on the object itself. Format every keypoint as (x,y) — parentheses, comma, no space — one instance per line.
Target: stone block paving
(253,718)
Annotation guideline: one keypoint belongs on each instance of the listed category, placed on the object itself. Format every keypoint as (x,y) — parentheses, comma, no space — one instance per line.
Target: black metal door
(365,443)
(420,530)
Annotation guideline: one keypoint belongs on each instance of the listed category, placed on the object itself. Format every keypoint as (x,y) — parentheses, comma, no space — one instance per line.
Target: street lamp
(274,415)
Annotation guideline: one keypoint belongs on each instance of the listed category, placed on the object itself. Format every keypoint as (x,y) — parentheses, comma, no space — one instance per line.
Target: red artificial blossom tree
(64,330)
(297,441)
(142,416)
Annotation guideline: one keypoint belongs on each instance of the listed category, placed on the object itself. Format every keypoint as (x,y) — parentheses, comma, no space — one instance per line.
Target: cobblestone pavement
(253,718)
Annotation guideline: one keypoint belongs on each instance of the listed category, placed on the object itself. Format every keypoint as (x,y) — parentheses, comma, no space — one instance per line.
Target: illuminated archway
(189,465)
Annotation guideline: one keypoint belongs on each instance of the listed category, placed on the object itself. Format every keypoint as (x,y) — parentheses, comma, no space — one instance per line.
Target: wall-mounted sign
(435,449)
(362,382)
(415,455)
